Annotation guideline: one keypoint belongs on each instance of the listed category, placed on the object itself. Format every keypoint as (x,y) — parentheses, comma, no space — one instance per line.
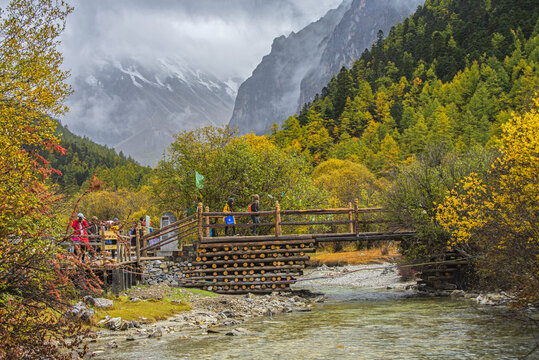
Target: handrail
(154,234)
(170,239)
(199,224)
(158,231)
(218,214)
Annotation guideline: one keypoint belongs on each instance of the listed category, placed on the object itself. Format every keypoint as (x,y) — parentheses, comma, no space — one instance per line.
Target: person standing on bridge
(254,208)
(93,231)
(229,220)
(80,227)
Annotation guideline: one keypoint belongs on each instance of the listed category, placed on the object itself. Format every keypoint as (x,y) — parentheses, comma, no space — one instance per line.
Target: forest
(419,113)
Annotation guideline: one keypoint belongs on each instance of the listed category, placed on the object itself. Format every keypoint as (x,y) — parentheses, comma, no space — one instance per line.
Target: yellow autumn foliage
(498,214)
(511,195)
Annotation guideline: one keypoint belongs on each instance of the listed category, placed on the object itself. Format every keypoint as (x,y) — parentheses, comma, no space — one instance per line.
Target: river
(356,323)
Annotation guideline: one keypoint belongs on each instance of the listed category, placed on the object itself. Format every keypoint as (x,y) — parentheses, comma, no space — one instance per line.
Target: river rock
(80,312)
(113,323)
(493,299)
(156,333)
(126,325)
(100,303)
(239,332)
(228,313)
(87,315)
(457,293)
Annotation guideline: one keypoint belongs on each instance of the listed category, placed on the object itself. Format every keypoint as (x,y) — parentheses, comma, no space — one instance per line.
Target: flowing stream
(356,323)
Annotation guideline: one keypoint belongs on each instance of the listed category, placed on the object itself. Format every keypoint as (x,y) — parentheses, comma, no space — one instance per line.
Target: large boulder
(80,312)
(113,323)
(100,303)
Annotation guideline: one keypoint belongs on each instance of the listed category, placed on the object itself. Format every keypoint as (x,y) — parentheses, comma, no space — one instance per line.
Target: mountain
(359,27)
(136,108)
(299,65)
(272,91)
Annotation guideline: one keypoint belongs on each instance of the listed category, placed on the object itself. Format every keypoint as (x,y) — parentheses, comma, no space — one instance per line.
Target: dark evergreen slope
(84,158)
(450,35)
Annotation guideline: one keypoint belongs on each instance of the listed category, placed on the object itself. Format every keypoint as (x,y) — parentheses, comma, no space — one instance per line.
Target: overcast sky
(226,37)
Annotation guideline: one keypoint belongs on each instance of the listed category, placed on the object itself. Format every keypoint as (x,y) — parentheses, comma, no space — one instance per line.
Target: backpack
(249,208)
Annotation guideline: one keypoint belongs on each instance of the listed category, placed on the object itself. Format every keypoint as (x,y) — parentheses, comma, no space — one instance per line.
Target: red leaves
(60,149)
(95,184)
(57,172)
(55,147)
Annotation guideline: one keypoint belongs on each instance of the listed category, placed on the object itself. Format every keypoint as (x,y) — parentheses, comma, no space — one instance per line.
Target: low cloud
(225,37)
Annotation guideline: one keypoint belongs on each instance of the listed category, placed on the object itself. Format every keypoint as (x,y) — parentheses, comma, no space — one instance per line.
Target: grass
(201,292)
(175,301)
(361,257)
(152,310)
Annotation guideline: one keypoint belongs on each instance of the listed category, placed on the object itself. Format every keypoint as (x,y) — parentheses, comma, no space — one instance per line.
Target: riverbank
(208,313)
(365,314)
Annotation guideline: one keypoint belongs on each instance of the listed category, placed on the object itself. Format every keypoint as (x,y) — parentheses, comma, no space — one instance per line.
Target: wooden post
(207,222)
(116,281)
(118,251)
(102,234)
(200,221)
(144,242)
(351,218)
(356,216)
(137,245)
(277,219)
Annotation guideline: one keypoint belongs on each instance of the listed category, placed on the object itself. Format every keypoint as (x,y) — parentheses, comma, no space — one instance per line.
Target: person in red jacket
(80,227)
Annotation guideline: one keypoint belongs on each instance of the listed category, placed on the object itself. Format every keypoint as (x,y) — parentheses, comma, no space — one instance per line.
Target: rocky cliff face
(272,92)
(137,108)
(300,65)
(357,30)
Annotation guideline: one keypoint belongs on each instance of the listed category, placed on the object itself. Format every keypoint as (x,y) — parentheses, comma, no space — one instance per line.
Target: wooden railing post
(200,221)
(277,219)
(356,216)
(144,241)
(137,245)
(351,218)
(207,222)
(102,234)
(118,249)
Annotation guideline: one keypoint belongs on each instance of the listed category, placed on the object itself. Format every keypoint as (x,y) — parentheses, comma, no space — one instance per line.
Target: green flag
(199,180)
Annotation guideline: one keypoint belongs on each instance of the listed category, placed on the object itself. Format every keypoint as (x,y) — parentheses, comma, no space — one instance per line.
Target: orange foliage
(367,256)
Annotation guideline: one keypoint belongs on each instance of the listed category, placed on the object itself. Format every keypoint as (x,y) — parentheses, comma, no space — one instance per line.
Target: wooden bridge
(269,261)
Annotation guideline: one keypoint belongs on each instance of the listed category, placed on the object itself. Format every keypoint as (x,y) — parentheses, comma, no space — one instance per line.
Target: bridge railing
(350,220)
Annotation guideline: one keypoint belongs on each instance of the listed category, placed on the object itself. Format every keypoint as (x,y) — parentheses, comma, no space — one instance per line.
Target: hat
(80,215)
(94,217)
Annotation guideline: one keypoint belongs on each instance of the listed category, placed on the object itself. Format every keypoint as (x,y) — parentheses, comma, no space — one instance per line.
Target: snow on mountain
(137,108)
